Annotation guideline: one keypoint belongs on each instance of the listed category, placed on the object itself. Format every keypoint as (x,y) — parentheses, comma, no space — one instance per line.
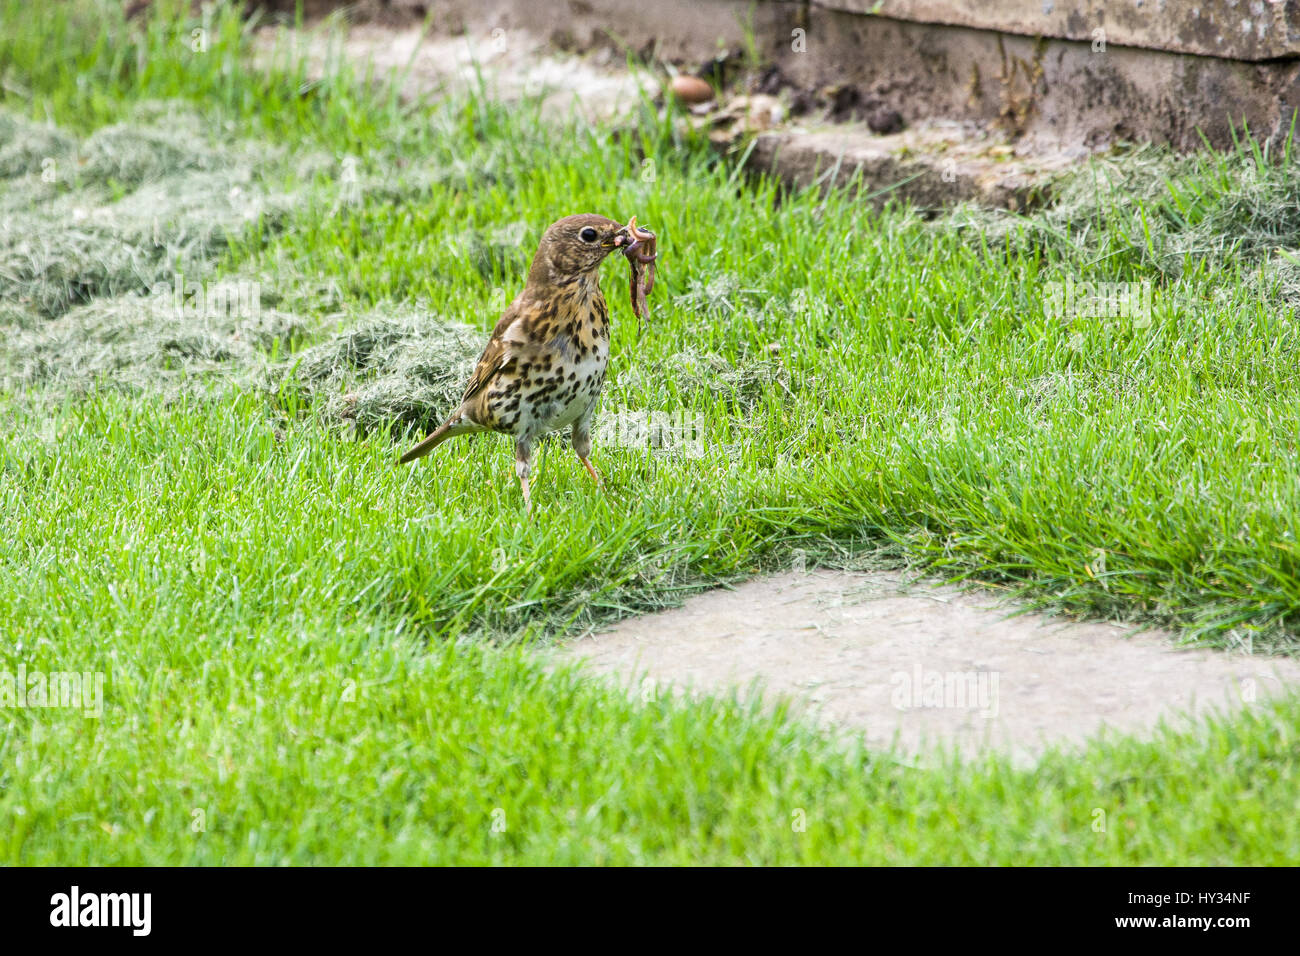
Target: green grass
(318,650)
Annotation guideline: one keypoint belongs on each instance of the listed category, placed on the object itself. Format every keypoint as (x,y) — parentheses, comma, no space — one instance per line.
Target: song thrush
(544,365)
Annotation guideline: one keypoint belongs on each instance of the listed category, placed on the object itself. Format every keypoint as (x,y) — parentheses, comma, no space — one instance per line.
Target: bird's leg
(523,453)
(581,438)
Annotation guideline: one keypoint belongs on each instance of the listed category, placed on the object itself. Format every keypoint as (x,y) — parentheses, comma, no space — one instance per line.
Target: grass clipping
(143,344)
(123,211)
(385,372)
(1158,209)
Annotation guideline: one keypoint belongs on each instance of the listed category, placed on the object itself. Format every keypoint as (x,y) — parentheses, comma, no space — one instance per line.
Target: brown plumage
(544,365)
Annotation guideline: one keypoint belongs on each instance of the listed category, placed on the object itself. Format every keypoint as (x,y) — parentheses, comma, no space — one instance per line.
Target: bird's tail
(447,429)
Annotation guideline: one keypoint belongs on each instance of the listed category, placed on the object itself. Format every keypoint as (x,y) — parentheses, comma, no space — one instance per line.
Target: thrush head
(575,246)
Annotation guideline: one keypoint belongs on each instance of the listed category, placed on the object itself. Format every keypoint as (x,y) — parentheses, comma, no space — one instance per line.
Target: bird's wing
(494,358)
(497,354)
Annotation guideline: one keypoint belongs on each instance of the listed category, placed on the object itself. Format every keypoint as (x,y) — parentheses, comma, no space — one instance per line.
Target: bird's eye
(587,235)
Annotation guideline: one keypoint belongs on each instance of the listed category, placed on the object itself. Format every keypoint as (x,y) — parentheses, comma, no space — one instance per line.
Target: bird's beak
(625,237)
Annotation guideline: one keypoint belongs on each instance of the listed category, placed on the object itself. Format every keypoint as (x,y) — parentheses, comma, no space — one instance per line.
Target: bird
(544,364)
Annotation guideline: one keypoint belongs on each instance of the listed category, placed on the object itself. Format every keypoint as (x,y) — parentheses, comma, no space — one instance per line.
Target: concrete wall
(1235,29)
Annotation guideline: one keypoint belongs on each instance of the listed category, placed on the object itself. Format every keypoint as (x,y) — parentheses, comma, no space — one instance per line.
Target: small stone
(690,89)
(884,120)
(802,103)
(844,100)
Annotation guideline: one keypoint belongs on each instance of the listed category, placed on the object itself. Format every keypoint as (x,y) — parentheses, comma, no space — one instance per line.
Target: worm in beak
(641,252)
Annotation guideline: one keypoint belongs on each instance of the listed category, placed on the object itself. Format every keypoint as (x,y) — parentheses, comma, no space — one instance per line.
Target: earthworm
(643,265)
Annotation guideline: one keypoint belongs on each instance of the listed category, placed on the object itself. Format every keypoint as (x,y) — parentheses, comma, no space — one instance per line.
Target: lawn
(314,656)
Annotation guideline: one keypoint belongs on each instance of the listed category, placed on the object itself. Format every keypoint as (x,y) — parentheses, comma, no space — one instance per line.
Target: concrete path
(923,663)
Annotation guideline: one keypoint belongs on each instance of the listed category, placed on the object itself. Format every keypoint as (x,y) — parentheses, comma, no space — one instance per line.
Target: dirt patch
(920,664)
(507,65)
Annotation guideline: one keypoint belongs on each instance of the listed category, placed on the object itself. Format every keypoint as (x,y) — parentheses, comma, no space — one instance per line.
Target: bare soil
(917,664)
